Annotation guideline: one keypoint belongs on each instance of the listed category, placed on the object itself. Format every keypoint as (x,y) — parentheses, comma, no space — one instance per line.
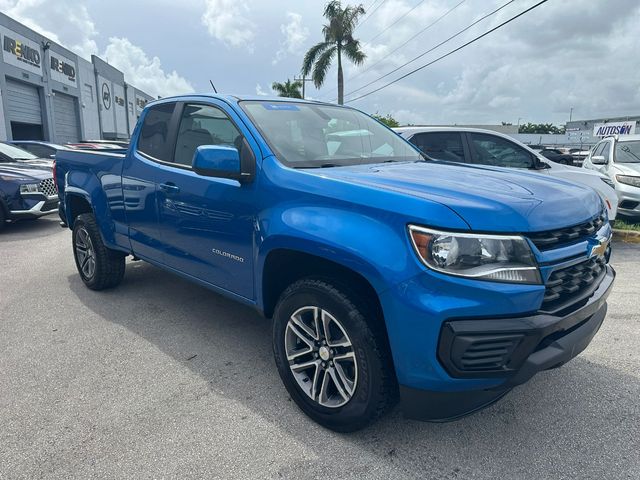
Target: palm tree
(338,40)
(287,89)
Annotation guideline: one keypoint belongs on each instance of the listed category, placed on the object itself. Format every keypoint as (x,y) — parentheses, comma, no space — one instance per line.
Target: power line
(399,18)
(449,53)
(397,48)
(460,32)
(370,15)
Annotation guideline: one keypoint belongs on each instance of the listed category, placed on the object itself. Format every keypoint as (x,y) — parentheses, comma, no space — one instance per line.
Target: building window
(88,89)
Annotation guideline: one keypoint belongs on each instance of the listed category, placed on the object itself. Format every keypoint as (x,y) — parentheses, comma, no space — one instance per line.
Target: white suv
(619,159)
(476,146)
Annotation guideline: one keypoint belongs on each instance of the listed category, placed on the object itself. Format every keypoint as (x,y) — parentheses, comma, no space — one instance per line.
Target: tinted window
(15,153)
(597,150)
(606,151)
(204,125)
(440,145)
(500,152)
(154,136)
(628,152)
(41,151)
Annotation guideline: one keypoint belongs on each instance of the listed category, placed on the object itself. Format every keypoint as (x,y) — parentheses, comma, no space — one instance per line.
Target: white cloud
(71,20)
(260,91)
(226,21)
(295,35)
(143,72)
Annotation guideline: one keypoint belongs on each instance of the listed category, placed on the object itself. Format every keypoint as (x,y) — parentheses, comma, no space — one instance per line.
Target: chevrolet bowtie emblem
(600,249)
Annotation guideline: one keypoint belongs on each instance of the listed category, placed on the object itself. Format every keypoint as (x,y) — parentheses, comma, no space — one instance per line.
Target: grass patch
(622,225)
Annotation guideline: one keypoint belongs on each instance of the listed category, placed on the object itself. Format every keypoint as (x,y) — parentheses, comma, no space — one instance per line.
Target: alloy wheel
(85,253)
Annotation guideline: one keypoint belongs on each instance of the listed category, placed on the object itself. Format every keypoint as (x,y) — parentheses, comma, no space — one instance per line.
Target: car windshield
(16,153)
(628,152)
(307,135)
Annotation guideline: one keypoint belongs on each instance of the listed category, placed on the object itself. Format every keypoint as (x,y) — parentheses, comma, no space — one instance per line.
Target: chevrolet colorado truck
(388,276)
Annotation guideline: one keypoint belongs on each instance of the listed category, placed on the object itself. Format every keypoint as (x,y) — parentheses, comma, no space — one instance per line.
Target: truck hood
(489,199)
(24,170)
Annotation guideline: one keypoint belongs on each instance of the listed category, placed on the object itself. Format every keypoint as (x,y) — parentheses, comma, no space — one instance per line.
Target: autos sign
(21,52)
(614,128)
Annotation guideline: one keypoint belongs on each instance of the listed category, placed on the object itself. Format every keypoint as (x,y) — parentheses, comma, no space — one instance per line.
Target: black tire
(108,265)
(375,389)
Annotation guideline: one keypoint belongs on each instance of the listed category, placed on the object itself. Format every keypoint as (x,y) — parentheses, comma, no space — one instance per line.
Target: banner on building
(20,51)
(614,128)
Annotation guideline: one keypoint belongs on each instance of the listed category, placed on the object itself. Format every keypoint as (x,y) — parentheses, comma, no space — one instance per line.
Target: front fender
(378,251)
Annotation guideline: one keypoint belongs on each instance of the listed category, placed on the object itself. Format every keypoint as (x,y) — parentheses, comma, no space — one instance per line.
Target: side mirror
(219,161)
(598,160)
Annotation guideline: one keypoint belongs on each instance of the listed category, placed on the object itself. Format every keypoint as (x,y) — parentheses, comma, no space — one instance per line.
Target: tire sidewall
(363,404)
(78,224)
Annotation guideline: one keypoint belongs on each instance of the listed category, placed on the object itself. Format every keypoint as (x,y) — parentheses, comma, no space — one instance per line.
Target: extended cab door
(154,144)
(207,223)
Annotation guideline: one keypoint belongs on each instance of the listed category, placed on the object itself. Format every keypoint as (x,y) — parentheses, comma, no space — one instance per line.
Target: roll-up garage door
(65,119)
(23,103)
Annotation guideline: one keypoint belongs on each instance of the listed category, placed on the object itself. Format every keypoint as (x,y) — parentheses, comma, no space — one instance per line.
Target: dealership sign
(63,70)
(614,128)
(21,52)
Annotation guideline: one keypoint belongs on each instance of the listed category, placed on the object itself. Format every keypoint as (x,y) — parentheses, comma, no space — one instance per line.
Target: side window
(440,145)
(606,151)
(154,136)
(204,125)
(500,152)
(39,150)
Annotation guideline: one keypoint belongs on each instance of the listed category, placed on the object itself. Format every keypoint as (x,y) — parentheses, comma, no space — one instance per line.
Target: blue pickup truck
(387,275)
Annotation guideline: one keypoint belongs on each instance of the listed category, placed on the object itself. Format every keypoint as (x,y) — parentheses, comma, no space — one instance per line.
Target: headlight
(499,258)
(608,181)
(29,188)
(629,180)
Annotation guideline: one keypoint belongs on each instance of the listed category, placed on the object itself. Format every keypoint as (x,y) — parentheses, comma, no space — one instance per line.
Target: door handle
(170,188)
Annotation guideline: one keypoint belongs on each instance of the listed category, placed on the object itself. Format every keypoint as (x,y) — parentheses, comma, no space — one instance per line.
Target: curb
(628,236)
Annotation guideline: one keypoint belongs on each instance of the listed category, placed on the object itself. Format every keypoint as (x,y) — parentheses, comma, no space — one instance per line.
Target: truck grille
(570,284)
(47,187)
(556,238)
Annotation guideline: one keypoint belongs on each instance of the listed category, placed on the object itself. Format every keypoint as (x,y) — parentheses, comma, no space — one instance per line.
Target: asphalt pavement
(160,378)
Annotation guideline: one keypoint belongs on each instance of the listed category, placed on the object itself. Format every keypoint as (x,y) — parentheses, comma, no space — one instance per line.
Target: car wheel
(3,217)
(333,362)
(98,266)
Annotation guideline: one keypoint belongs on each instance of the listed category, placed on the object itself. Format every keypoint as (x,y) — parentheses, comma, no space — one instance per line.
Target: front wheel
(336,369)
(98,266)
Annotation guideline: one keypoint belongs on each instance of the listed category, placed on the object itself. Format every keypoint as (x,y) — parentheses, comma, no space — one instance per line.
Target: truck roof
(237,97)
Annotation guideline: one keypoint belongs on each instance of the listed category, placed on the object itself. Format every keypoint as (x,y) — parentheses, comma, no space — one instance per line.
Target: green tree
(287,89)
(541,128)
(388,120)
(338,41)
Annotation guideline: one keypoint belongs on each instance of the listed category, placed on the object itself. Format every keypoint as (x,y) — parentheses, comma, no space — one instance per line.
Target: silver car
(619,158)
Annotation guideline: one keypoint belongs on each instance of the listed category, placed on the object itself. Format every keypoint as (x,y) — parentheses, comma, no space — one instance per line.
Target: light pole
(571,114)
(302,80)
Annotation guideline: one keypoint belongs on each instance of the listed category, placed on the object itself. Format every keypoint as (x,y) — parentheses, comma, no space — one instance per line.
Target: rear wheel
(333,365)
(3,217)
(98,266)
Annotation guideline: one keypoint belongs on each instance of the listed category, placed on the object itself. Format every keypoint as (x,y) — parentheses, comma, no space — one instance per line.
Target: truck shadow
(558,423)
(41,227)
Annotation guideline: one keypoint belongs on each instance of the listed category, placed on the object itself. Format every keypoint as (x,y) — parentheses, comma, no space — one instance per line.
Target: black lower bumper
(513,349)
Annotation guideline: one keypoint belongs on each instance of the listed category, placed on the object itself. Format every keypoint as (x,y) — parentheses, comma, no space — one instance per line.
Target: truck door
(206,223)
(140,170)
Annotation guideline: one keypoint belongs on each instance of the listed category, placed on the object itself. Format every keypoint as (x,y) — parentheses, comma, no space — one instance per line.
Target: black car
(26,192)
(12,154)
(557,156)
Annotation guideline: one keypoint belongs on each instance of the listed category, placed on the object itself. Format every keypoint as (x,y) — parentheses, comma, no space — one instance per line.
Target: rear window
(154,136)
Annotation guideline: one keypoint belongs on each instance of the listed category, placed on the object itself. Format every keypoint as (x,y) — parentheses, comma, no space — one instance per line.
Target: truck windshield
(307,135)
(628,152)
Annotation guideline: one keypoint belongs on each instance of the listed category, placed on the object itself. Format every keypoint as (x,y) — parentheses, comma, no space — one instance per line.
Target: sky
(579,55)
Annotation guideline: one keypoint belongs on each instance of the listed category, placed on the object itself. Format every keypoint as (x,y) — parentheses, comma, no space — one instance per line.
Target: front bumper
(43,206)
(538,342)
(628,199)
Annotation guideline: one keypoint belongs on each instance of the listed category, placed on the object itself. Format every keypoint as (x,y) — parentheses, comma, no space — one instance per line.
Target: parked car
(26,192)
(619,158)
(39,148)
(97,146)
(579,154)
(485,147)
(119,143)
(385,273)
(11,154)
(556,155)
